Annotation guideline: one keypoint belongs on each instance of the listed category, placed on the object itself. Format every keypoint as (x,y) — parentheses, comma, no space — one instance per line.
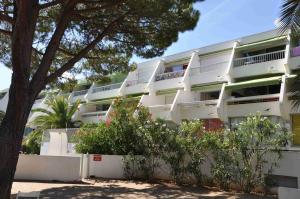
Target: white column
(230,64)
(150,86)
(287,55)
(194,61)
(221,105)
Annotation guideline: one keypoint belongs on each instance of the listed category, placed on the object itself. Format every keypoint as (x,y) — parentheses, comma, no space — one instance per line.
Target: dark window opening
(209,95)
(260,90)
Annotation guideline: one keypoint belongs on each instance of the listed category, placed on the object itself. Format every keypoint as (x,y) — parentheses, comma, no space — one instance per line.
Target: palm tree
(289,20)
(290,16)
(59,115)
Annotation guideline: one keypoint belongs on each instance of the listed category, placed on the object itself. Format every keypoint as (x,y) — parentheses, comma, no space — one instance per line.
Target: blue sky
(220,20)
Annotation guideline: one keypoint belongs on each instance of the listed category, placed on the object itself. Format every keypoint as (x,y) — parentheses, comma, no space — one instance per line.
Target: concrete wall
(288,193)
(108,166)
(37,167)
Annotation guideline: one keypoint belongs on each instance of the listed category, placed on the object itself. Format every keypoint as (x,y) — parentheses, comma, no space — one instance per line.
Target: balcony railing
(170,75)
(107,87)
(79,93)
(259,58)
(135,82)
(253,99)
(95,114)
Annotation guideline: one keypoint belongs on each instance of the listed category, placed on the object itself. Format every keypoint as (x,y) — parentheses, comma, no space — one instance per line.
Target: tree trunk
(21,96)
(11,133)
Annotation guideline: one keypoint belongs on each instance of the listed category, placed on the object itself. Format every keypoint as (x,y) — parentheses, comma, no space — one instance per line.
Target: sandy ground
(120,190)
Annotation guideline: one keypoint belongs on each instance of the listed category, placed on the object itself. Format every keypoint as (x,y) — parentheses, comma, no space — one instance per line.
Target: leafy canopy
(59,115)
(100,36)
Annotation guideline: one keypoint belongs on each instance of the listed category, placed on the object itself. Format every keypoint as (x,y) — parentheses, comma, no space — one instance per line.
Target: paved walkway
(121,190)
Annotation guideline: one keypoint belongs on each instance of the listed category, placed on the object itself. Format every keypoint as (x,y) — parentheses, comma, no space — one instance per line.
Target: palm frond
(290,16)
(59,115)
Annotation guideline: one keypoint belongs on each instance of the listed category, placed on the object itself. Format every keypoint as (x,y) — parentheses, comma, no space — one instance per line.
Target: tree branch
(53,45)
(50,4)
(6,18)
(84,51)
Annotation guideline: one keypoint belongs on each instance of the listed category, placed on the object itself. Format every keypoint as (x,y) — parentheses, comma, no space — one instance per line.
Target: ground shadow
(159,191)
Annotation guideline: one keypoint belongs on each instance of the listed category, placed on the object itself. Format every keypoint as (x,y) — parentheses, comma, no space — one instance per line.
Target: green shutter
(211,87)
(264,42)
(168,91)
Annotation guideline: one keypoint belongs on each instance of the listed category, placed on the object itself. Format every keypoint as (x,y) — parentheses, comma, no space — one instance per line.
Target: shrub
(32,143)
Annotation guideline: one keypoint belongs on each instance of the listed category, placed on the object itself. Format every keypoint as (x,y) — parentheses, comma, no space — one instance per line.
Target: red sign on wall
(97,158)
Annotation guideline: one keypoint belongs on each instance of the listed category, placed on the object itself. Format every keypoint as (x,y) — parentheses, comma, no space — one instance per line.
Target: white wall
(36,167)
(275,66)
(288,193)
(111,166)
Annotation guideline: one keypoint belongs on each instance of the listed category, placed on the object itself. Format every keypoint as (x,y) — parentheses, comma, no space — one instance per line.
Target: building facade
(220,84)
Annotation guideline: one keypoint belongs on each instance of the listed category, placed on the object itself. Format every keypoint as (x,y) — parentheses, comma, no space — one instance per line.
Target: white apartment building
(219,84)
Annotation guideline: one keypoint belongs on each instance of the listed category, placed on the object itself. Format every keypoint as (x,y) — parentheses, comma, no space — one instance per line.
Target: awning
(168,91)
(210,87)
(264,42)
(254,83)
(102,101)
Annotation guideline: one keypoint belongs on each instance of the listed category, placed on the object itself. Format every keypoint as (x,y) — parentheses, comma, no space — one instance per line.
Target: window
(174,68)
(209,95)
(102,107)
(260,90)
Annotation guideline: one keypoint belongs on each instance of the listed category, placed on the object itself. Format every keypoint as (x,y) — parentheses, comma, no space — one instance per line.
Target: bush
(240,157)
(243,155)
(32,143)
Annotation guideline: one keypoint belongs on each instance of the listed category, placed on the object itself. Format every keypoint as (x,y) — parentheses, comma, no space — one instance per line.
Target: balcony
(169,80)
(243,106)
(93,117)
(209,74)
(162,111)
(78,95)
(199,109)
(266,63)
(170,75)
(102,92)
(135,86)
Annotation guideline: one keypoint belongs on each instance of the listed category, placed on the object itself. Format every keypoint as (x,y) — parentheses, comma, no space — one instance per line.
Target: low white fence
(72,168)
(58,168)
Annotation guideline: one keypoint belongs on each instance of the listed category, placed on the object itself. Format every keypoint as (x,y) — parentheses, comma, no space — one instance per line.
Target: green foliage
(59,115)
(32,143)
(141,27)
(241,155)
(237,157)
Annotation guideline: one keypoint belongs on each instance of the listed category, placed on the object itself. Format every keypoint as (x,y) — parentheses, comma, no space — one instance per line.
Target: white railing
(135,82)
(253,99)
(107,87)
(259,58)
(200,103)
(160,107)
(94,114)
(170,75)
(79,93)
